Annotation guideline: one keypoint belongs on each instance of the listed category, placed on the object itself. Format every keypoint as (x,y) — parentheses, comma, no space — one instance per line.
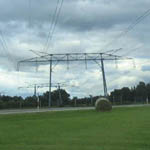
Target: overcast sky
(83,26)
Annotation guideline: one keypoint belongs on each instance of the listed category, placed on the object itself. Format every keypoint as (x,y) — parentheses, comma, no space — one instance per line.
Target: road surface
(20,111)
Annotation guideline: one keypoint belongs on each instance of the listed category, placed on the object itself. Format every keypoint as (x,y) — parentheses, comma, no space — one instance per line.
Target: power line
(57,17)
(5,48)
(113,51)
(29,3)
(29,19)
(54,23)
(138,20)
(51,26)
(147,63)
(132,50)
(130,27)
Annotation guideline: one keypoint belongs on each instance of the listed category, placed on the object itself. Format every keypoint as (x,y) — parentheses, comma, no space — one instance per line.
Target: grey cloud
(75,15)
(145,68)
(83,26)
(98,15)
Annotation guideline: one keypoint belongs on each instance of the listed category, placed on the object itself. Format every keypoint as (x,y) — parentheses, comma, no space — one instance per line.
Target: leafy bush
(103,104)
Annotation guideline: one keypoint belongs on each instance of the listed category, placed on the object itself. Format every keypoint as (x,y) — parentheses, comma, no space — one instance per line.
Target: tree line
(60,98)
(136,94)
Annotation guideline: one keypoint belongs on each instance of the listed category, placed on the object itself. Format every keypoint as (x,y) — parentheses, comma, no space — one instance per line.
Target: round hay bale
(103,104)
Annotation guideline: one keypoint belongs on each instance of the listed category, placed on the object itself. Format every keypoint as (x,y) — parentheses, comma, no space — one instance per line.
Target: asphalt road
(20,111)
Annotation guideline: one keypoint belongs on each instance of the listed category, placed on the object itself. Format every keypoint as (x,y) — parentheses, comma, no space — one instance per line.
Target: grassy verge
(121,129)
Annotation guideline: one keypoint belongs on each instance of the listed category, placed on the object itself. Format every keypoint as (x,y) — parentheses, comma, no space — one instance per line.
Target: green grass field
(121,129)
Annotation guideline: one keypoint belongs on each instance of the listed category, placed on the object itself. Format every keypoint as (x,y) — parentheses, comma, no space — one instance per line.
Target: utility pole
(147,100)
(104,78)
(50,83)
(91,97)
(121,99)
(60,98)
(35,89)
(75,102)
(38,102)
(113,100)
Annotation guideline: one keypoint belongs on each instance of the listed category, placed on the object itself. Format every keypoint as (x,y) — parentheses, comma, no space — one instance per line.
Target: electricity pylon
(45,58)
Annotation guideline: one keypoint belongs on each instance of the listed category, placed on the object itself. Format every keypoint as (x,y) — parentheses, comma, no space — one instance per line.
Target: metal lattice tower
(45,58)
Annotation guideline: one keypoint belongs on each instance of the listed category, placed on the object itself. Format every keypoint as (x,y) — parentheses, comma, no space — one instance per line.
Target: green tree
(141,91)
(148,91)
(125,95)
